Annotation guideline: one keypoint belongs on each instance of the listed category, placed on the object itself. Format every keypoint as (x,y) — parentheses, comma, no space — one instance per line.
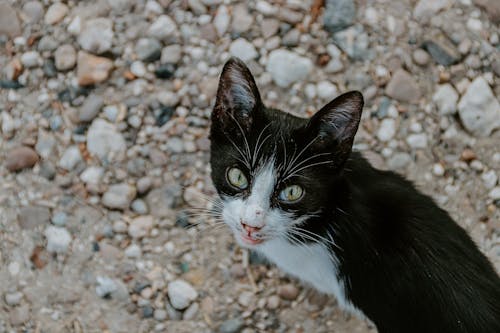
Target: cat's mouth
(249,239)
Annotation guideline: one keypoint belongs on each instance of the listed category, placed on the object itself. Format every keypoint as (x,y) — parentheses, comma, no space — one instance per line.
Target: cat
(293,190)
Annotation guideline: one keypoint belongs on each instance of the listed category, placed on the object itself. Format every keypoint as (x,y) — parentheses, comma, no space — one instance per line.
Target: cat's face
(271,169)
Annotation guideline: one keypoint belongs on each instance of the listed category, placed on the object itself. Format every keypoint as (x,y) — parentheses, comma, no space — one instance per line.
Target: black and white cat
(292,190)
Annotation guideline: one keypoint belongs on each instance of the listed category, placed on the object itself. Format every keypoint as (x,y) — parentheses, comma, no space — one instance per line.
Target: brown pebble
(20,158)
(273,302)
(468,155)
(92,69)
(288,292)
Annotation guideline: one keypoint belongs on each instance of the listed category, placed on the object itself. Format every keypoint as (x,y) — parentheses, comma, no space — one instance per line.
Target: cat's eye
(236,178)
(291,193)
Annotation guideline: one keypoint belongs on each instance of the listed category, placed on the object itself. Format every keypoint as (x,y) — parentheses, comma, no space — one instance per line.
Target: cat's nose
(249,228)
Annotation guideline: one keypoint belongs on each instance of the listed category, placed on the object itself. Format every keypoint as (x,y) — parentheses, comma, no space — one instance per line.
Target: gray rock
(162,28)
(148,49)
(33,11)
(399,161)
(403,87)
(144,185)
(141,226)
(90,108)
(291,38)
(14,298)
(287,67)
(65,57)
(119,196)
(190,312)
(479,109)
(446,99)
(160,314)
(495,193)
(162,200)
(339,14)
(354,41)
(47,43)
(32,216)
(60,219)
(20,315)
(171,54)
(105,142)
(9,22)
(105,286)
(442,51)
(70,158)
(221,20)
(231,326)
(243,49)
(97,35)
(181,294)
(48,170)
(58,239)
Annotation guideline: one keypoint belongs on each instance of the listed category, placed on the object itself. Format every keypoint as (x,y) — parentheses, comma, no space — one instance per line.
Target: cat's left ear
(238,98)
(336,124)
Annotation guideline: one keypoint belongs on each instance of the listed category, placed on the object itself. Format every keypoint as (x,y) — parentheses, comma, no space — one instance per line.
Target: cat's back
(450,281)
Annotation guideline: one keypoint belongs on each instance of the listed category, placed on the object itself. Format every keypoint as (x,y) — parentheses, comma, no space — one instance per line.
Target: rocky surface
(104,115)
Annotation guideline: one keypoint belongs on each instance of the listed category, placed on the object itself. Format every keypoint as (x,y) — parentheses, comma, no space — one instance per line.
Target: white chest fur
(312,264)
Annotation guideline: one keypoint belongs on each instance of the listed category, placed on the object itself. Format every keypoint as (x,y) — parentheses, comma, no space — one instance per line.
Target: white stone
(97,35)
(425,9)
(105,286)
(446,99)
(474,24)
(222,20)
(31,59)
(171,54)
(133,251)
(105,142)
(141,226)
(438,169)
(119,196)
(266,8)
(495,193)
(287,67)
(75,26)
(181,294)
(242,49)
(387,130)
(478,108)
(153,7)
(138,69)
(310,91)
(162,28)
(92,175)
(70,158)
(58,239)
(326,90)
(490,179)
(417,140)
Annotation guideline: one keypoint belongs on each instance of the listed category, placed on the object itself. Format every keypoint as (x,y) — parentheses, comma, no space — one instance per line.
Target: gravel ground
(104,111)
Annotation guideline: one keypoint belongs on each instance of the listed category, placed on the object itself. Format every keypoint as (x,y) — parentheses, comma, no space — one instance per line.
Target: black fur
(406,264)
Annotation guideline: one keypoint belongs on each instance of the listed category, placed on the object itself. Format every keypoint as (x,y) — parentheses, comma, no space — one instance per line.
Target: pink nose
(248,228)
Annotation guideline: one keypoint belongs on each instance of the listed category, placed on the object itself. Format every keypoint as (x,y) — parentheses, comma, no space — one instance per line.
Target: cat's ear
(334,126)
(238,98)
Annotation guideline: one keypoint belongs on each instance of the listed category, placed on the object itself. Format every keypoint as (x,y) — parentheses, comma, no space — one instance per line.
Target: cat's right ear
(335,125)
(238,98)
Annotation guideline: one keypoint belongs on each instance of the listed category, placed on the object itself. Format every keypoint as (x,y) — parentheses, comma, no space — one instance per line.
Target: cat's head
(272,170)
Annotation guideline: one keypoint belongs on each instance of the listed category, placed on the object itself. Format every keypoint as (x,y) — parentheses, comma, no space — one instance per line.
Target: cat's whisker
(292,162)
(301,163)
(308,166)
(244,138)
(259,146)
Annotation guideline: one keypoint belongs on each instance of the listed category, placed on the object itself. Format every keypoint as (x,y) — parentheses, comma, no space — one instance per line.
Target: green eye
(291,193)
(236,178)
